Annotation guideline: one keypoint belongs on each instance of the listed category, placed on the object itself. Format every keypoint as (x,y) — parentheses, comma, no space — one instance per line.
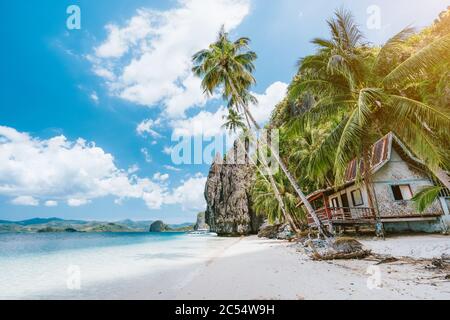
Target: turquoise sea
(34,266)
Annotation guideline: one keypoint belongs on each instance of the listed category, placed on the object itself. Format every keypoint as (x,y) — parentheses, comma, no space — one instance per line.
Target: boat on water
(202,232)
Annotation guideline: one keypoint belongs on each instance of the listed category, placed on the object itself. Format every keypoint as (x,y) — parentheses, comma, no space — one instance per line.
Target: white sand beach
(253,268)
(263,269)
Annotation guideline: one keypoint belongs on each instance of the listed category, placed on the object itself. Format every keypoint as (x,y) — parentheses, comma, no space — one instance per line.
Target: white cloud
(172,168)
(147,156)
(57,169)
(148,59)
(79,172)
(104,73)
(77,202)
(167,150)
(210,124)
(161,177)
(146,127)
(190,195)
(204,123)
(267,101)
(133,169)
(120,39)
(51,203)
(94,97)
(25,201)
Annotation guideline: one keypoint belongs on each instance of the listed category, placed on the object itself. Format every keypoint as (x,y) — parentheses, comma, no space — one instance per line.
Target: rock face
(201,222)
(229,208)
(276,231)
(158,226)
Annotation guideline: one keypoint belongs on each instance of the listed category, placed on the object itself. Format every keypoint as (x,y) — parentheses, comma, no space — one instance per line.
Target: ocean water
(45,264)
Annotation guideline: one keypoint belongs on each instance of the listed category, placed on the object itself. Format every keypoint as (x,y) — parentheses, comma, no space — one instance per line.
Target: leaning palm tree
(264,202)
(367,92)
(234,122)
(229,65)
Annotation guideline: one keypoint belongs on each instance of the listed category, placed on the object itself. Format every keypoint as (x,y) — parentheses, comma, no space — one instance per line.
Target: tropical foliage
(368,92)
(234,121)
(228,66)
(426,197)
(348,94)
(344,97)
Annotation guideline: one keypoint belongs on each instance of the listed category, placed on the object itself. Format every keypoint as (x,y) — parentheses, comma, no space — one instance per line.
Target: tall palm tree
(229,65)
(234,122)
(264,202)
(367,92)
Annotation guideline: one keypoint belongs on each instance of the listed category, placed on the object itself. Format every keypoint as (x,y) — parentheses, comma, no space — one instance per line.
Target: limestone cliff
(158,226)
(227,194)
(201,222)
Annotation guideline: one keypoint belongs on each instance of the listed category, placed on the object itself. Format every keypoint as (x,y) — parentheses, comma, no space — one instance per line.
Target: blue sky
(122,84)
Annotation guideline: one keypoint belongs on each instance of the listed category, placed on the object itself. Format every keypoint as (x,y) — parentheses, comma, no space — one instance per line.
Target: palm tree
(229,65)
(264,202)
(367,92)
(234,121)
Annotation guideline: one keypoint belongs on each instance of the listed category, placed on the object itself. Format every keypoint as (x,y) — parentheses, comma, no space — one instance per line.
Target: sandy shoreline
(253,268)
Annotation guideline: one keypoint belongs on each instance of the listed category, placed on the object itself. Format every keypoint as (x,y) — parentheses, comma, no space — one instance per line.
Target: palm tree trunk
(294,184)
(287,217)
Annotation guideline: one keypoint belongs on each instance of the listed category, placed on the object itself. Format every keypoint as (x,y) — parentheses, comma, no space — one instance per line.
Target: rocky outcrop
(201,222)
(276,231)
(229,206)
(158,226)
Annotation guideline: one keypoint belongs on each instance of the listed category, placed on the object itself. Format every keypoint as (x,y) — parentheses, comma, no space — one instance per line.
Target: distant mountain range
(34,221)
(62,225)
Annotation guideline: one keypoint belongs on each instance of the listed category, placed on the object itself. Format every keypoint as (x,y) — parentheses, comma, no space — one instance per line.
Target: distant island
(48,225)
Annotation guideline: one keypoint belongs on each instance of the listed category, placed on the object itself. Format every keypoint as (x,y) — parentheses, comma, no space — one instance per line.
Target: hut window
(335,202)
(357,197)
(401,192)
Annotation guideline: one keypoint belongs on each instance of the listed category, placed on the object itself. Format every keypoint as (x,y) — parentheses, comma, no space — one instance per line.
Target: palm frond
(416,66)
(391,47)
(426,197)
(429,116)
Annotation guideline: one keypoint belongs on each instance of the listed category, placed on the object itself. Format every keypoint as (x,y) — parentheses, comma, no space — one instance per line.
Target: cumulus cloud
(77,202)
(133,169)
(161,177)
(78,172)
(210,124)
(72,171)
(147,126)
(147,60)
(190,195)
(267,101)
(25,201)
(172,168)
(51,203)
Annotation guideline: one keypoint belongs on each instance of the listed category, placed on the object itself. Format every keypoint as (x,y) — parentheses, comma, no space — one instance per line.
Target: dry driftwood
(340,256)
